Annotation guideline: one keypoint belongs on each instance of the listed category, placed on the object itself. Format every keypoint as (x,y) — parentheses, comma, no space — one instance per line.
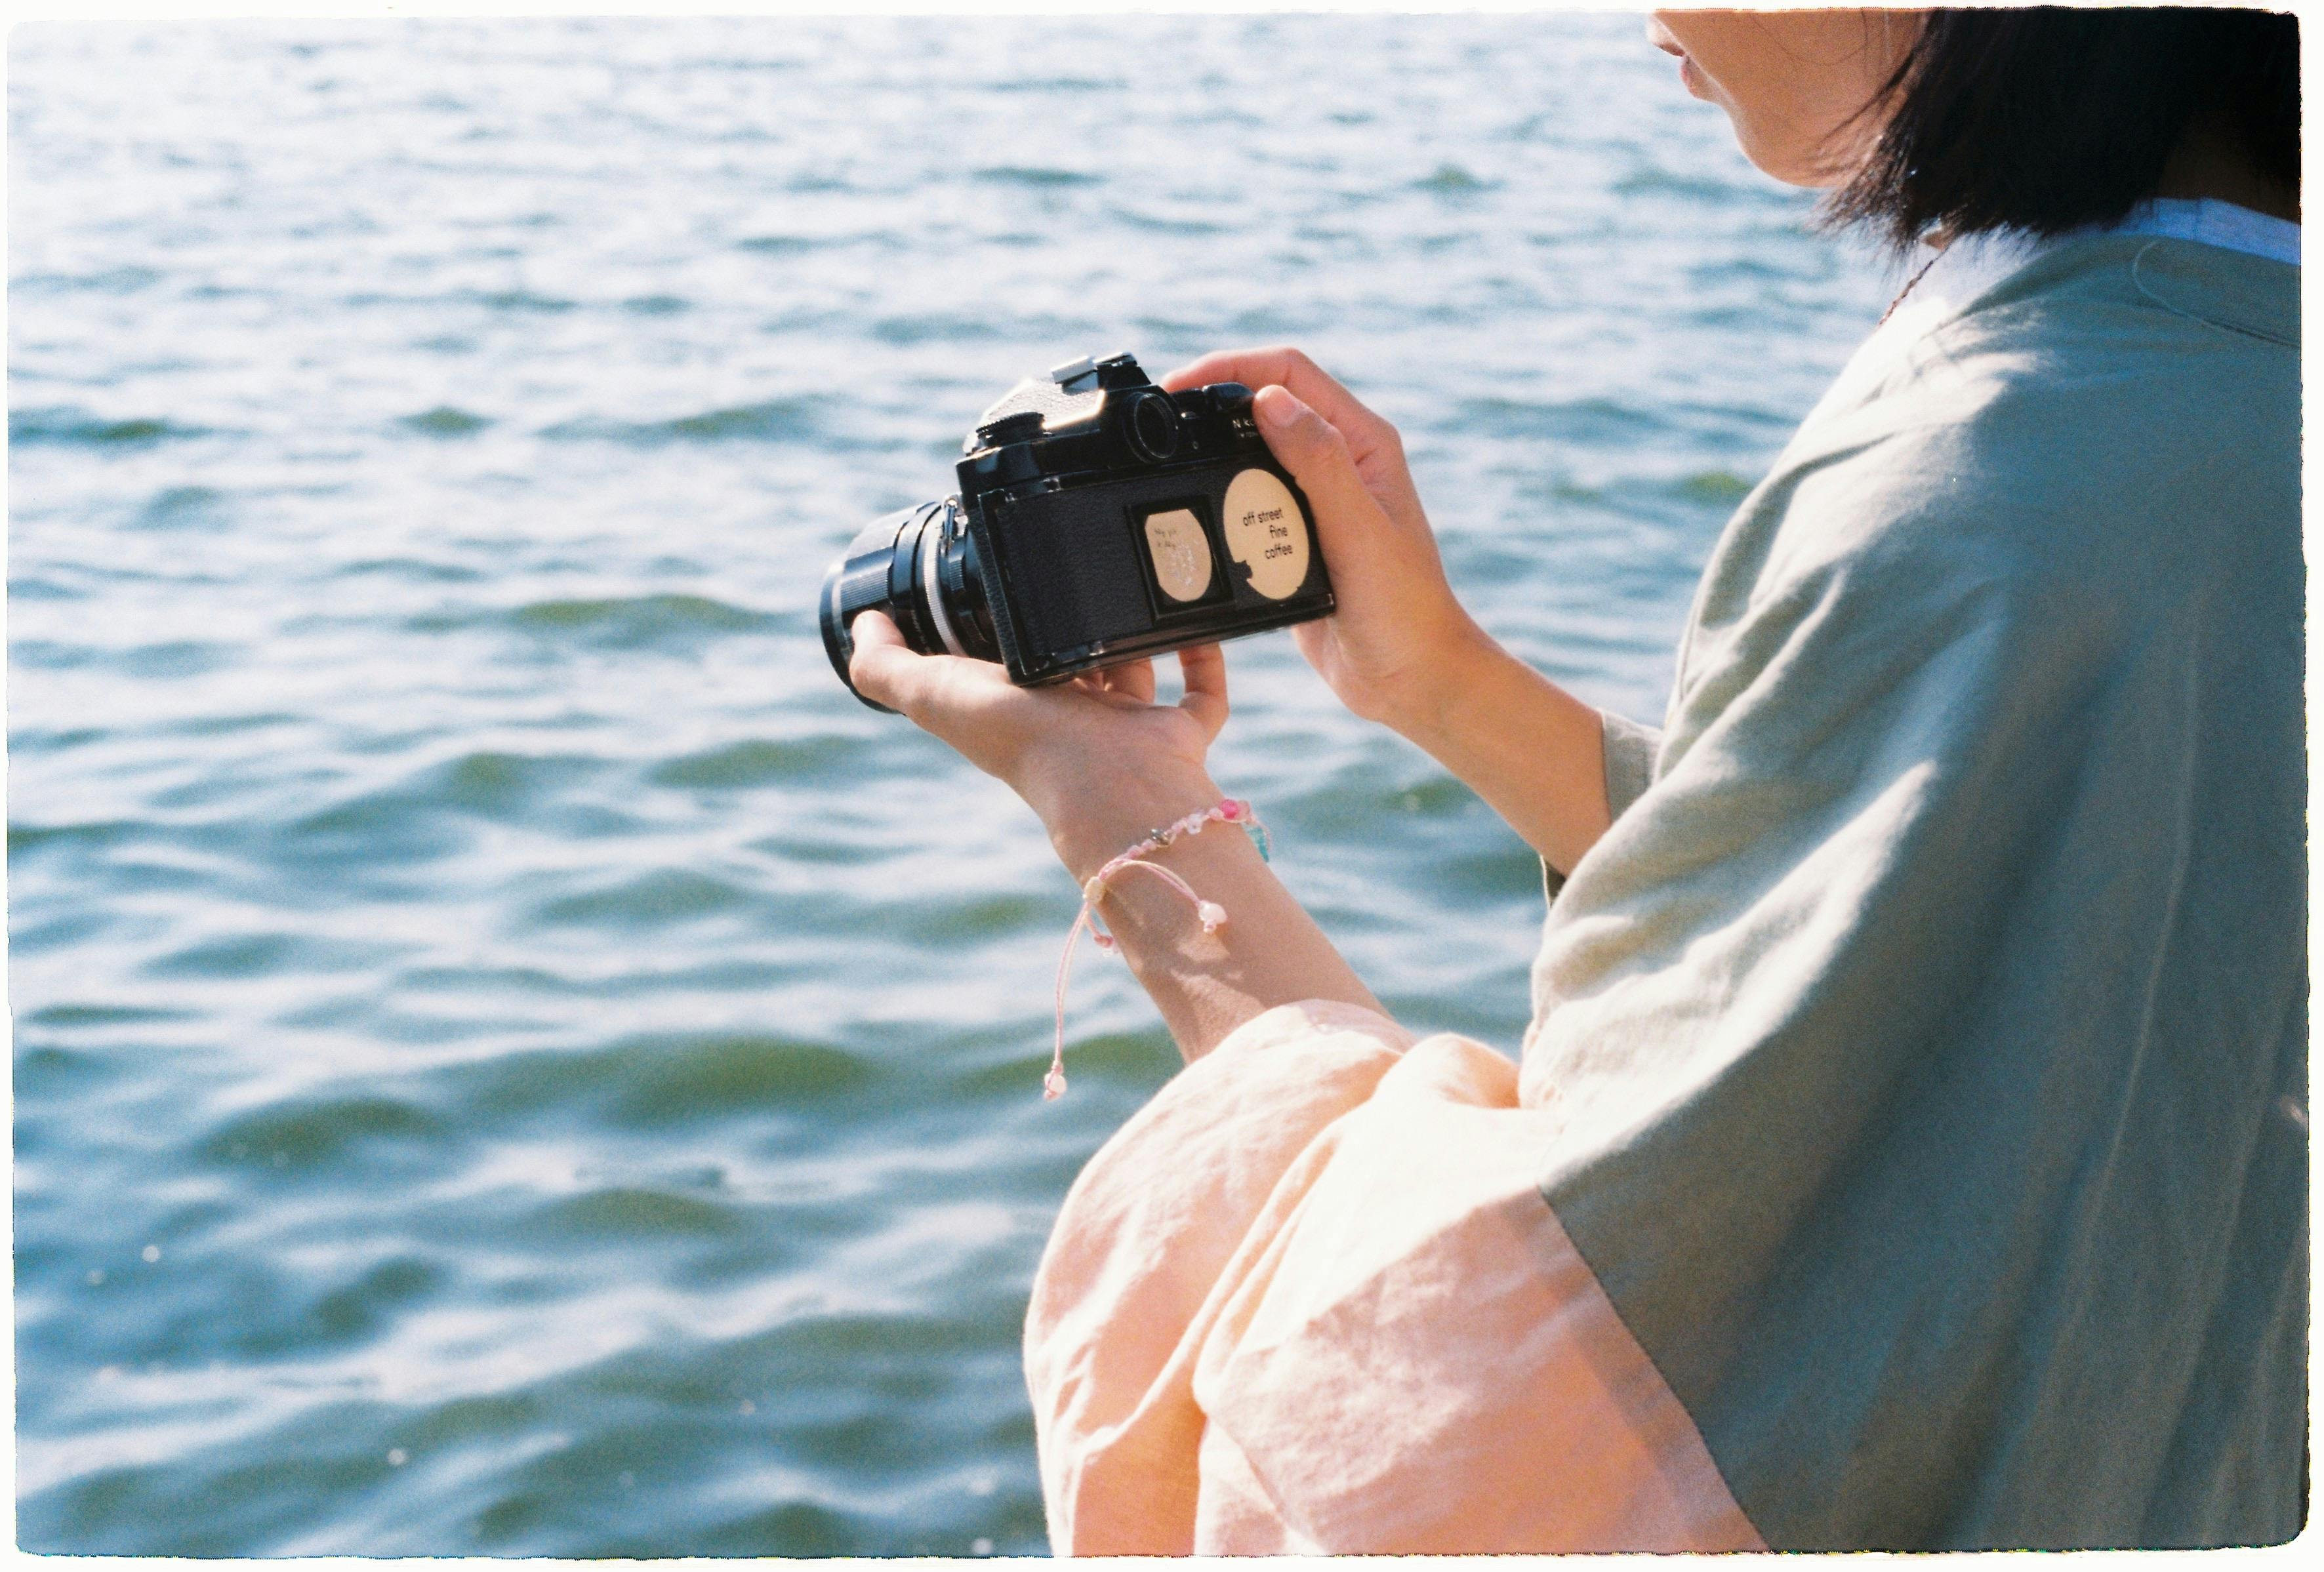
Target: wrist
(1092,814)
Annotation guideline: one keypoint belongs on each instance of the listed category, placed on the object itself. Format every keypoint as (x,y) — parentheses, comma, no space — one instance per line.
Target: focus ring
(931,550)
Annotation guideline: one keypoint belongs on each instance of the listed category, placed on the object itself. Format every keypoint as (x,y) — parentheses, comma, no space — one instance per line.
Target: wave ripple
(511,1058)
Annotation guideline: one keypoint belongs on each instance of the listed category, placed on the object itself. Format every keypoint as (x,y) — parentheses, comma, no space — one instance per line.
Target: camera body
(1099,520)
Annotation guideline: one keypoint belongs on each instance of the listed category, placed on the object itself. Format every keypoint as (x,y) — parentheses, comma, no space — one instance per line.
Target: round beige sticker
(1182,557)
(1265,534)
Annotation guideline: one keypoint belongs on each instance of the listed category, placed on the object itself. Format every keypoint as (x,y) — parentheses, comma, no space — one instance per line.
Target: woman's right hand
(1394,649)
(1400,649)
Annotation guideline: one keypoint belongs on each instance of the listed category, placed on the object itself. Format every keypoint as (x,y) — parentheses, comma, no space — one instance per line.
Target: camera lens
(921,568)
(1154,427)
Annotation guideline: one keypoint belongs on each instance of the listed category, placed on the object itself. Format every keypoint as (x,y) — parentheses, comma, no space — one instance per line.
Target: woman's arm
(1535,752)
(1104,765)
(1400,649)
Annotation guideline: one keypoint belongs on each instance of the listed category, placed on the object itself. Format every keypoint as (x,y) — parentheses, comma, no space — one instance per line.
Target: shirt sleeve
(1630,751)
(1310,1300)
(1629,760)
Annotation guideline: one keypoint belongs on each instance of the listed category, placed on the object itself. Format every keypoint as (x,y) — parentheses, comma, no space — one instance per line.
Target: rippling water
(509,1056)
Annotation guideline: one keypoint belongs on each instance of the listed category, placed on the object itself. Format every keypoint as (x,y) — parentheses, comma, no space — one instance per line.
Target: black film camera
(1099,520)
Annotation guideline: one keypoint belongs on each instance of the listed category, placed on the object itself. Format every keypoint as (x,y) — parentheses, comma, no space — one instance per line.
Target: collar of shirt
(1951,277)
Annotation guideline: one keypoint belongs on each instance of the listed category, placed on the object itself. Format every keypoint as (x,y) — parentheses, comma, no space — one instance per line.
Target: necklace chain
(1907,290)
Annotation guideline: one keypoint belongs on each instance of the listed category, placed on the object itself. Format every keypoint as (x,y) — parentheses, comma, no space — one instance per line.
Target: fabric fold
(1629,760)
(1309,1301)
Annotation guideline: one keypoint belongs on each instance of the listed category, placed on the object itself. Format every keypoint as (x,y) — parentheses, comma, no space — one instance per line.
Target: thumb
(1312,448)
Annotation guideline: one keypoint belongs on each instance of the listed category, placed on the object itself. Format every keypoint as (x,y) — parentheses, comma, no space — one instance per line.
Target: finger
(884,668)
(1350,523)
(1134,678)
(1204,667)
(1285,367)
(1126,680)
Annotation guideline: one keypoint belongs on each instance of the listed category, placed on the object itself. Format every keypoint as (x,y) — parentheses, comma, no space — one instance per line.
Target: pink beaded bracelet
(1212,916)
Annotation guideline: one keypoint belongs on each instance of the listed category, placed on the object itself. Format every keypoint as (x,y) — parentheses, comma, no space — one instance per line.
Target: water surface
(509,1057)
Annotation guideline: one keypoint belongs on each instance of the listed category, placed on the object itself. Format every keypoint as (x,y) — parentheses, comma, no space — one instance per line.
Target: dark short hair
(2049,118)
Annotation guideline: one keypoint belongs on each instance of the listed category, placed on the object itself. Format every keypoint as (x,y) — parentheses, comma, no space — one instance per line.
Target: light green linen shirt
(1930,1028)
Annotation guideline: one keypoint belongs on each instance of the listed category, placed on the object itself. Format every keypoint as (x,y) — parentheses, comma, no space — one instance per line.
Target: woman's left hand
(1096,758)
(1104,764)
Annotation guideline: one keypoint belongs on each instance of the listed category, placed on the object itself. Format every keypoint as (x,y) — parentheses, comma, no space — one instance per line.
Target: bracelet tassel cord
(1212,916)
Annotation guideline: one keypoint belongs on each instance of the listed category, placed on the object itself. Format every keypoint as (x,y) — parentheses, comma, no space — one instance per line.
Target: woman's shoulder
(2117,359)
(2140,290)
(2120,364)
(2085,449)
(2119,405)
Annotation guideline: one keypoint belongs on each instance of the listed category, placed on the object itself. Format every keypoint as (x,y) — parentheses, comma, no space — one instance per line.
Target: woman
(1909,1149)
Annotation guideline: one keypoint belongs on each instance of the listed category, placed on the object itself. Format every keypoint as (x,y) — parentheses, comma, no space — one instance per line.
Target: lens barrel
(920,567)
